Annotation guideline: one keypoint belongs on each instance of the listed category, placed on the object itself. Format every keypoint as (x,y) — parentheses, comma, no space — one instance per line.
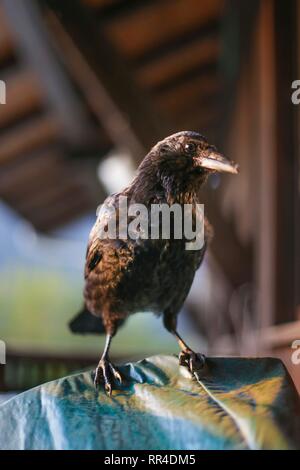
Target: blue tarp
(237,403)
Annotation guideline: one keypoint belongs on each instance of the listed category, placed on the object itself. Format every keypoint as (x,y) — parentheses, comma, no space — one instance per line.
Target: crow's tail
(84,322)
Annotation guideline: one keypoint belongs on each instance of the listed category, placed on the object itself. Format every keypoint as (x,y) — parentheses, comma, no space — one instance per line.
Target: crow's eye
(190,148)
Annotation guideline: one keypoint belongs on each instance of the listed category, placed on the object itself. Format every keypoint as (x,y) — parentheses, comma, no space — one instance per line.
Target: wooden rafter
(159,23)
(24,95)
(29,136)
(34,46)
(120,105)
(28,170)
(174,100)
(68,210)
(6,37)
(165,66)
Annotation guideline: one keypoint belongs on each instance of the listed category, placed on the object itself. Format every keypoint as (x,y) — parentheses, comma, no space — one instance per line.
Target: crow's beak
(217,162)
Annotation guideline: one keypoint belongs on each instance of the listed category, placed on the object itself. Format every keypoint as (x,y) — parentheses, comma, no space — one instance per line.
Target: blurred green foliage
(36,305)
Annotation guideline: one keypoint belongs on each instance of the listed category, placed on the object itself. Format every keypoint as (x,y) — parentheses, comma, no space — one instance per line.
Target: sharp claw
(108,388)
(104,373)
(115,373)
(182,359)
(118,376)
(194,362)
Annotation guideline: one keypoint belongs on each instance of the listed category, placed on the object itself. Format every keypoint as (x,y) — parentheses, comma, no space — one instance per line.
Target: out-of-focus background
(88,86)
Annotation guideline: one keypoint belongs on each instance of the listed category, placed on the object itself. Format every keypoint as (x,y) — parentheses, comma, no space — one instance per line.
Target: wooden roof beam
(109,10)
(186,76)
(165,67)
(28,170)
(120,105)
(24,95)
(6,37)
(200,119)
(36,49)
(175,47)
(174,100)
(58,192)
(54,216)
(29,136)
(149,28)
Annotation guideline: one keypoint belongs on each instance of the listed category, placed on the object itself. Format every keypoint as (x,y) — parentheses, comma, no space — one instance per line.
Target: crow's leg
(105,370)
(187,357)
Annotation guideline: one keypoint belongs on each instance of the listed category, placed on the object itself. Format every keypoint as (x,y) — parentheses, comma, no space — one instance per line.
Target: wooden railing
(23,370)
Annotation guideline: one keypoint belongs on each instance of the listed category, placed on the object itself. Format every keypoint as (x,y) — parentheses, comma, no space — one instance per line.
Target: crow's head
(180,164)
(188,153)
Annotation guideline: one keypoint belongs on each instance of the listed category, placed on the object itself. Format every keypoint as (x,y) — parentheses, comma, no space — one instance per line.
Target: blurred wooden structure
(86,76)
(24,370)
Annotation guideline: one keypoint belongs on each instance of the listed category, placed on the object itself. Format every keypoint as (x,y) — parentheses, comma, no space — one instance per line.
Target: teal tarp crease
(237,403)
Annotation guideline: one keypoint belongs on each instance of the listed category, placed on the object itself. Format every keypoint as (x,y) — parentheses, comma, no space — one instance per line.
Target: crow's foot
(193,361)
(106,373)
